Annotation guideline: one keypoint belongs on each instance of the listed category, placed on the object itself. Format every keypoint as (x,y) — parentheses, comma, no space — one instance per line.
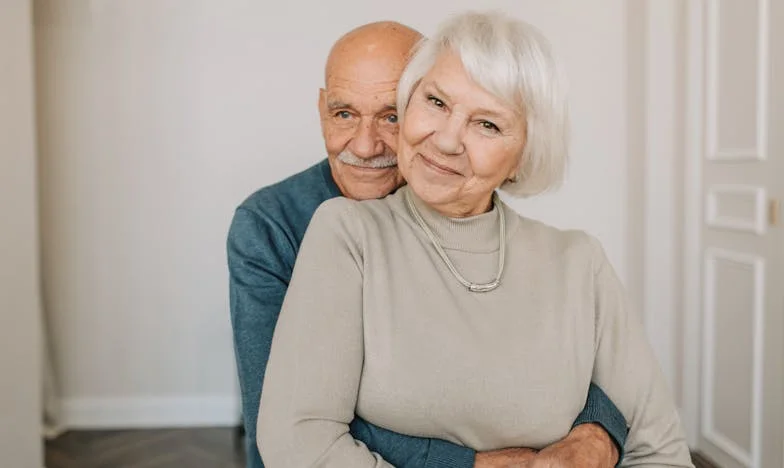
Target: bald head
(376,50)
(358,107)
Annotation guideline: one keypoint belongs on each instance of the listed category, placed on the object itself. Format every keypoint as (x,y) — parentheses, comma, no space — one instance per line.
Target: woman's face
(458,142)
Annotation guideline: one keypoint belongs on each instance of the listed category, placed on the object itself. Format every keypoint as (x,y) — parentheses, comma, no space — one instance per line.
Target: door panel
(741,413)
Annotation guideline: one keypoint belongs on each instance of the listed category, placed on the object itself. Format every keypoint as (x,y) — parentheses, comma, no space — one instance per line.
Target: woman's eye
(436,102)
(489,126)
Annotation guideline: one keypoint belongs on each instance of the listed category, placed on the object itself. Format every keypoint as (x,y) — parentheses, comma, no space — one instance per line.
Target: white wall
(665,45)
(159,117)
(20,407)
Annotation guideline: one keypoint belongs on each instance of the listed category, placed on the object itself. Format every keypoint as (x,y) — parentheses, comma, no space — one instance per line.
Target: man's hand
(586,446)
(505,458)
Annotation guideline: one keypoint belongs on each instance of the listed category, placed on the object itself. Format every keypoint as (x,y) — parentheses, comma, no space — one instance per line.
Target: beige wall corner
(20,438)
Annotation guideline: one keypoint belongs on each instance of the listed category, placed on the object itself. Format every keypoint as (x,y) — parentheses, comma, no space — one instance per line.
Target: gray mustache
(377,162)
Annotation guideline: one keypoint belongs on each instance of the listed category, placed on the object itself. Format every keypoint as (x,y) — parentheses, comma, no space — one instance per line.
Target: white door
(742,244)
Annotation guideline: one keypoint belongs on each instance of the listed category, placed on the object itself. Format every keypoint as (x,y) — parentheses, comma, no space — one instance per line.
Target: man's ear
(322,103)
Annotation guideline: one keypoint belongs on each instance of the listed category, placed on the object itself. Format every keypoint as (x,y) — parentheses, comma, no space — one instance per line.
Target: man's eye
(343,115)
(436,102)
(392,118)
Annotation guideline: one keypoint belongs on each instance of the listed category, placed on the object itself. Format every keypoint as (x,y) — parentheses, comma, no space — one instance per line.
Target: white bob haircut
(513,61)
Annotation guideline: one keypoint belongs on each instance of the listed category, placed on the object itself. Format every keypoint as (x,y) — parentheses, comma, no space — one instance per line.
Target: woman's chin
(429,193)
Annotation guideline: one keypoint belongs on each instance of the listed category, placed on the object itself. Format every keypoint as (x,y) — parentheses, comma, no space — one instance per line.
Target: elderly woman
(442,313)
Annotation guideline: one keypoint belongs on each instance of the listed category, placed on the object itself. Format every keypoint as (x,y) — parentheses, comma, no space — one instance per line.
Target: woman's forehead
(449,78)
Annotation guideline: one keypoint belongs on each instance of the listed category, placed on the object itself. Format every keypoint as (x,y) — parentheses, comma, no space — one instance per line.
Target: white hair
(512,60)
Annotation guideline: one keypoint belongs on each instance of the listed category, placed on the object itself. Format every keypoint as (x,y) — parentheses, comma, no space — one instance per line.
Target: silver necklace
(473,287)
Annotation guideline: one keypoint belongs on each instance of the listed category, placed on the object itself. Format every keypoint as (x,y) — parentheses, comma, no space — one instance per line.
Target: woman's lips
(439,167)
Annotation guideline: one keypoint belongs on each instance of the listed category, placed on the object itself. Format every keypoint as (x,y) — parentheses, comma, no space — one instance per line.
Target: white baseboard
(151,412)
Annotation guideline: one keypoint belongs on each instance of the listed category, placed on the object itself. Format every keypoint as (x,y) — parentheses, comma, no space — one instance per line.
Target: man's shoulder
(282,211)
(292,198)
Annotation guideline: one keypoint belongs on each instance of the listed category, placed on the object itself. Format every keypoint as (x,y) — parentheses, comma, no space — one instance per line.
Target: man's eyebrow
(335,105)
(389,108)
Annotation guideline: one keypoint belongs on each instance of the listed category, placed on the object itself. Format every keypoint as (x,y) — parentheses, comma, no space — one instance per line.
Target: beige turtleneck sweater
(375,324)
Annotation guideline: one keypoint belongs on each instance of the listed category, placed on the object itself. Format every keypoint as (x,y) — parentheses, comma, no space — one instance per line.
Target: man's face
(359,124)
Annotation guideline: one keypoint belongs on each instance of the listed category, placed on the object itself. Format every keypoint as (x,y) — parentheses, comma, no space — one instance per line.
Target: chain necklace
(473,287)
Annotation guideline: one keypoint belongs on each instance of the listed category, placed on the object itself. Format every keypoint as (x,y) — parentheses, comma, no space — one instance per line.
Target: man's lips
(369,168)
(439,167)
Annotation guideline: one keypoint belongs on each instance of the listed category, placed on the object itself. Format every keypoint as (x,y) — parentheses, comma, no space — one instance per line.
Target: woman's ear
(514,174)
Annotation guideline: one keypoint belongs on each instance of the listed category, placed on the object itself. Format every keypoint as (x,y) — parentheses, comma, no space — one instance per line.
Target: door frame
(672,207)
(672,188)
(692,216)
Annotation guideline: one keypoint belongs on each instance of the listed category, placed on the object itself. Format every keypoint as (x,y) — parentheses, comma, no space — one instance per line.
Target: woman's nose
(449,138)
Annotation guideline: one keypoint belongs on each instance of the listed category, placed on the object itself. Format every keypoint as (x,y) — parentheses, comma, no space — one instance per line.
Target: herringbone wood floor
(701,462)
(175,448)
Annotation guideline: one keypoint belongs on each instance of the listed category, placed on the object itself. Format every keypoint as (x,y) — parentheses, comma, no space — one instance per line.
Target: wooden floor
(701,462)
(175,448)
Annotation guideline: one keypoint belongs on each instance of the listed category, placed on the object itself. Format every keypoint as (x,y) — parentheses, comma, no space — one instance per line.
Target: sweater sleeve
(627,370)
(600,410)
(260,259)
(315,364)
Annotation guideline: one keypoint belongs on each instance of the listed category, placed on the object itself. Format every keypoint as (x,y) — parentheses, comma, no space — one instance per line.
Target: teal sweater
(262,245)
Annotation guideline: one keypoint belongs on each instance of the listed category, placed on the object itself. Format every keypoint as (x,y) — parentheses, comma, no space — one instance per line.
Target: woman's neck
(464,209)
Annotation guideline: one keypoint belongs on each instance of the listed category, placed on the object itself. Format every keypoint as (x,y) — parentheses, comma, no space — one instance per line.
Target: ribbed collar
(478,233)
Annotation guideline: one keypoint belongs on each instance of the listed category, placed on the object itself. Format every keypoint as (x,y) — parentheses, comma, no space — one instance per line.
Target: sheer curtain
(51,419)
(52,414)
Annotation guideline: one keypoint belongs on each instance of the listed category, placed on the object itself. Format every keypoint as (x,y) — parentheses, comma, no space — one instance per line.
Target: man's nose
(367,142)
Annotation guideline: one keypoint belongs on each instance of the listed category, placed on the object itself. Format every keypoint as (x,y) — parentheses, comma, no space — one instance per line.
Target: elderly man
(359,125)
